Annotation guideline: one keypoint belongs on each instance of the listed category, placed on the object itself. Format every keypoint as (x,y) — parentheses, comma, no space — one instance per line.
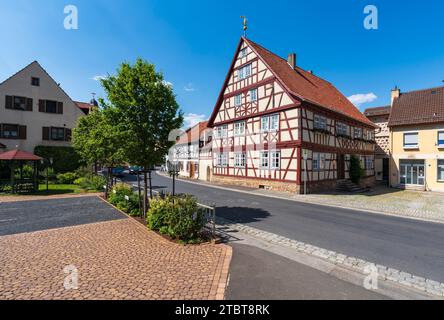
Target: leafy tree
(145,109)
(98,140)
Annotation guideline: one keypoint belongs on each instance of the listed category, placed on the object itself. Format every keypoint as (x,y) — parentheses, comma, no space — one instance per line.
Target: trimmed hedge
(66,159)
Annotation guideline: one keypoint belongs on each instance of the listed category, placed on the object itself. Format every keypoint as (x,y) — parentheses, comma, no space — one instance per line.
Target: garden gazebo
(17,159)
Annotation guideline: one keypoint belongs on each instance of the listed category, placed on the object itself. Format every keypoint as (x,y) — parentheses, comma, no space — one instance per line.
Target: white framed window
(270,123)
(441,139)
(222,131)
(239,160)
(368,163)
(341,129)
(238,100)
(243,53)
(244,72)
(253,95)
(265,163)
(239,128)
(320,122)
(441,170)
(222,160)
(411,140)
(275,160)
(319,160)
(357,133)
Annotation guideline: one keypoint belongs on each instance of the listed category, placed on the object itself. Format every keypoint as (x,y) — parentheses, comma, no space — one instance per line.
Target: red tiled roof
(19,155)
(306,86)
(193,134)
(377,111)
(418,107)
(84,105)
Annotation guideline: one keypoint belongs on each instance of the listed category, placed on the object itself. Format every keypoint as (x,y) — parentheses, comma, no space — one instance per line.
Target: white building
(34,111)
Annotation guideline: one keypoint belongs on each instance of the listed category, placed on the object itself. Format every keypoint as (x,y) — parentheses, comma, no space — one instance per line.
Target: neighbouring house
(187,150)
(380,117)
(35,111)
(417,139)
(87,107)
(278,126)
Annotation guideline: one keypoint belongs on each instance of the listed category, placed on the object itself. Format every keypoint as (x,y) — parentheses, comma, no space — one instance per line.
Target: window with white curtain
(253,95)
(239,128)
(411,140)
(238,100)
(222,160)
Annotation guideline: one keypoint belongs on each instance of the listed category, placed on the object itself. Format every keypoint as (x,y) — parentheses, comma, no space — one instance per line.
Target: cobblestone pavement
(384,273)
(116,260)
(19,198)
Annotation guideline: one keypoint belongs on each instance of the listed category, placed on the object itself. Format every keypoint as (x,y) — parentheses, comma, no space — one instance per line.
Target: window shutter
(8,104)
(45,135)
(60,107)
(22,132)
(41,105)
(68,134)
(28,104)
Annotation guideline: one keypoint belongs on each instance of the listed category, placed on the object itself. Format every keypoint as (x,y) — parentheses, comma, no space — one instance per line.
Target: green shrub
(96,183)
(179,217)
(67,178)
(125,199)
(27,172)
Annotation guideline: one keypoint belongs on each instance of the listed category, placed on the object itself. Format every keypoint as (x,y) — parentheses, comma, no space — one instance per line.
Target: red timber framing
(290,131)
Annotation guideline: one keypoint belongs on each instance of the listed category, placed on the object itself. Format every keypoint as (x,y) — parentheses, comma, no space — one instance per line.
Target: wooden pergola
(17,159)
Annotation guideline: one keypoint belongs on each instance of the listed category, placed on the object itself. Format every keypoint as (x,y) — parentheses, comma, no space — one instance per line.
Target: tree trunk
(140,193)
(151,189)
(145,194)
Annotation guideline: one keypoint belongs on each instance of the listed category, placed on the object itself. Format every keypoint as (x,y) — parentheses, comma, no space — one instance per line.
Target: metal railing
(210,217)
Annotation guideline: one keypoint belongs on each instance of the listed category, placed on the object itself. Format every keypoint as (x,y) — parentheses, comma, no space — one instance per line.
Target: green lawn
(59,189)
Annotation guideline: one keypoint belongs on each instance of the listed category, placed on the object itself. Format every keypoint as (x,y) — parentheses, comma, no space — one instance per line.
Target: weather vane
(245,25)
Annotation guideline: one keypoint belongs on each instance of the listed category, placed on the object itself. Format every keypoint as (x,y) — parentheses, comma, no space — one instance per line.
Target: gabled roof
(84,106)
(377,111)
(193,134)
(46,72)
(19,155)
(418,107)
(302,85)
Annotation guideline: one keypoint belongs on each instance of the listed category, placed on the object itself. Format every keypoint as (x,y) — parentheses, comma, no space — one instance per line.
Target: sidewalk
(426,206)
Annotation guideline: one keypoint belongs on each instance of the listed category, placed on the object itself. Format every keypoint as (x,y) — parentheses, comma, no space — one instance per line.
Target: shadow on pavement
(242,214)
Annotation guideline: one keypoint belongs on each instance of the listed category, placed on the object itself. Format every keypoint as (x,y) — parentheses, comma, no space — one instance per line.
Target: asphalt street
(30,216)
(256,274)
(409,245)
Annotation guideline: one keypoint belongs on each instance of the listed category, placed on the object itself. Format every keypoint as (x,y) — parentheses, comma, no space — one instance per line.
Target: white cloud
(361,98)
(191,119)
(98,77)
(189,87)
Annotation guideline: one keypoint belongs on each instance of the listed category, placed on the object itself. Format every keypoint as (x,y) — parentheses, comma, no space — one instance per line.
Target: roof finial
(245,25)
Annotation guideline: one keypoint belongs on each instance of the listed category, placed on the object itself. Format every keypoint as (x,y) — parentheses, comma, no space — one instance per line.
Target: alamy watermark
(71,281)
(371,20)
(371,281)
(71,21)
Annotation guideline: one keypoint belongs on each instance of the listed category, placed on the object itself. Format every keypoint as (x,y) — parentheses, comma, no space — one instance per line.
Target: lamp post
(47,162)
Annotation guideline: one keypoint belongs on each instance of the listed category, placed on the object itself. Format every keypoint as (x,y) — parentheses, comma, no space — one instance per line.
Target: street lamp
(47,162)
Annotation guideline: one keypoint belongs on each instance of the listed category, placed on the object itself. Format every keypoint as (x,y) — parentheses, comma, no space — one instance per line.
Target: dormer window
(35,82)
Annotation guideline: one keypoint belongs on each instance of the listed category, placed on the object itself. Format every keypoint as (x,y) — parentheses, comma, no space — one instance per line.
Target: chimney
(292,60)
(395,94)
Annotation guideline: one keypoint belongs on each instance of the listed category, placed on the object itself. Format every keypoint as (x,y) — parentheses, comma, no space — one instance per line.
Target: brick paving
(116,260)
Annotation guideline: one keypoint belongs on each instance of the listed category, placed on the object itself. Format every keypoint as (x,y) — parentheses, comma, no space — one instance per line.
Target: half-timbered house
(277,126)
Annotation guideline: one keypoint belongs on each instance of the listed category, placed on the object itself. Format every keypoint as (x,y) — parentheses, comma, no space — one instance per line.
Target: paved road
(256,274)
(412,246)
(29,216)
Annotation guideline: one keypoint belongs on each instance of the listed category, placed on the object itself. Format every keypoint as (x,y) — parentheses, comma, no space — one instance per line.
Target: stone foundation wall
(256,183)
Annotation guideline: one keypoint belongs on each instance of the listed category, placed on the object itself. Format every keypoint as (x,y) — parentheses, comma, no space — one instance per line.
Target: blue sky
(193,42)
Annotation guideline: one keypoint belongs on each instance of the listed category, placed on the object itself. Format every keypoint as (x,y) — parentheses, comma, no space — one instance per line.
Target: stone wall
(257,183)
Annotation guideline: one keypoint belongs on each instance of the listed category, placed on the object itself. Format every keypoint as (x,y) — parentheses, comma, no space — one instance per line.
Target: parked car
(135,169)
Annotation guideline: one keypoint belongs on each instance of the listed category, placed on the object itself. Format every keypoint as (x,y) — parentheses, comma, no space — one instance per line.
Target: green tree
(145,109)
(97,139)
